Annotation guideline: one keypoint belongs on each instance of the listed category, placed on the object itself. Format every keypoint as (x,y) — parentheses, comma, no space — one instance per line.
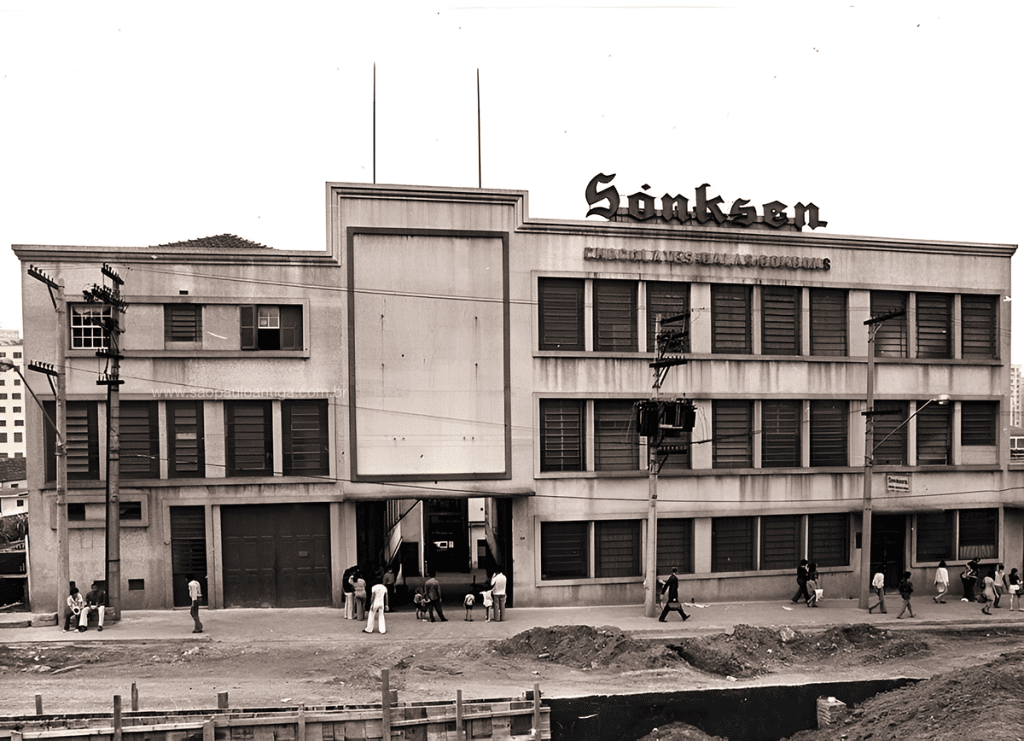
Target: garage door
(276,555)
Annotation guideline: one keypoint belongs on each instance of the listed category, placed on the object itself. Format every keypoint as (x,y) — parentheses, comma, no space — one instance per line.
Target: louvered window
(561,435)
(978,421)
(185,439)
(730,319)
(250,444)
(830,429)
(979,533)
(140,440)
(934,325)
(83,442)
(306,444)
(732,543)
(934,434)
(828,539)
(979,322)
(617,546)
(731,437)
(561,314)
(271,327)
(890,335)
(675,545)
(615,316)
(674,453)
(188,551)
(780,434)
(564,550)
(780,320)
(616,442)
(183,323)
(893,451)
(780,541)
(828,322)
(669,300)
(934,533)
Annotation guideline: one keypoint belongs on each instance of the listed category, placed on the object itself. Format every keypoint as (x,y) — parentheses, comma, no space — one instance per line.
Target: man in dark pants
(671,592)
(195,594)
(433,596)
(801,582)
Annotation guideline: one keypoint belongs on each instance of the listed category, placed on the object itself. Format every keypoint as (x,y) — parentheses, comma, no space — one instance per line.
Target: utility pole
(111,379)
(59,371)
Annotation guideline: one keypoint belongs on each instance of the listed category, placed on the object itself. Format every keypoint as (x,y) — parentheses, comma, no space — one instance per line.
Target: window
(890,438)
(675,545)
(271,327)
(828,321)
(564,550)
(16,395)
(617,546)
(186,446)
(669,300)
(306,443)
(780,320)
(780,541)
(616,442)
(136,585)
(935,531)
(140,441)
(615,316)
(732,544)
(978,325)
(780,434)
(16,410)
(250,444)
(183,323)
(17,381)
(674,453)
(979,533)
(560,307)
(76,512)
(83,445)
(731,434)
(830,430)
(3,437)
(934,325)
(828,539)
(561,435)
(957,534)
(19,437)
(978,421)
(890,335)
(730,319)
(17,354)
(87,326)
(934,434)
(130,510)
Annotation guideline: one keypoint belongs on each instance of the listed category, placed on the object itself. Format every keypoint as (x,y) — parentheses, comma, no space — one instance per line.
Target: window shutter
(561,314)
(564,550)
(615,316)
(250,446)
(979,533)
(83,443)
(978,422)
(894,450)
(780,541)
(828,322)
(669,300)
(979,339)
(935,536)
(934,325)
(183,323)
(730,319)
(618,548)
(780,434)
(616,442)
(731,444)
(247,323)
(185,439)
(305,438)
(675,545)
(830,429)
(828,539)
(891,335)
(561,435)
(780,320)
(140,445)
(291,327)
(732,544)
(934,435)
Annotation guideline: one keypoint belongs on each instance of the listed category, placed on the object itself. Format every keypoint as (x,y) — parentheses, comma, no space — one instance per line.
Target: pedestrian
(195,593)
(75,606)
(359,593)
(488,599)
(95,601)
(469,601)
(498,583)
(812,585)
(801,581)
(906,589)
(999,579)
(420,600)
(671,593)
(878,584)
(988,591)
(1013,586)
(378,605)
(433,594)
(348,593)
(388,580)
(941,583)
(968,578)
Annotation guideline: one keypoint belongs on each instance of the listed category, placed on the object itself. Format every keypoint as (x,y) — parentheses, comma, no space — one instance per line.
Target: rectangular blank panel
(429,338)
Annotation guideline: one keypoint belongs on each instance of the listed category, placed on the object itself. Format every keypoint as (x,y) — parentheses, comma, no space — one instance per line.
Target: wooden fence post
(222,700)
(208,730)
(385,684)
(39,704)
(536,710)
(135,697)
(460,732)
(117,718)
(300,724)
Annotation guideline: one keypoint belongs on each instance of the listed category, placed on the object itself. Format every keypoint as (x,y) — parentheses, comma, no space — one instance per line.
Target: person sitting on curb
(95,602)
(75,606)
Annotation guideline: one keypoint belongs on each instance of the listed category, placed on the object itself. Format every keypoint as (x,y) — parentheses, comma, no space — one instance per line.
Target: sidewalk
(328,624)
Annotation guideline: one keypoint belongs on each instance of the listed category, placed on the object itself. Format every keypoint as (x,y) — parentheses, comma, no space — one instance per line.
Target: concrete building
(1015,410)
(449,371)
(13,398)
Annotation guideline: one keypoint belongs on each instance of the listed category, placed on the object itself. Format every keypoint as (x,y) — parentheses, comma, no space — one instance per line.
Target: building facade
(13,398)
(452,384)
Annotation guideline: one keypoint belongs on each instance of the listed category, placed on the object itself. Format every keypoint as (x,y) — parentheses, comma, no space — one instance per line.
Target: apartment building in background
(13,397)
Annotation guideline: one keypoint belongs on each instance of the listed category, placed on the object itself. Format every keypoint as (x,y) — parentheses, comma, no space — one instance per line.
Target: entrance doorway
(447,535)
(888,547)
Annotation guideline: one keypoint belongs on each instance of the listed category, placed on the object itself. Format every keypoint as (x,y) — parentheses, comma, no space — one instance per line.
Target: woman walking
(941,583)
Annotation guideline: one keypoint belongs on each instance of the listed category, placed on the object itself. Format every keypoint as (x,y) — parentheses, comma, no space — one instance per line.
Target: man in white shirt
(498,582)
(195,594)
(378,605)
(878,584)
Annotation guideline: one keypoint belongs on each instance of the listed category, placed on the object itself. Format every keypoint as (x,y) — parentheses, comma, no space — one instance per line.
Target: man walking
(672,603)
(434,599)
(498,583)
(195,593)
(878,584)
(378,604)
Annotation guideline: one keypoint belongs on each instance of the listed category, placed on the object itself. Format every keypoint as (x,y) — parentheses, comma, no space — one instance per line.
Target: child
(488,601)
(1013,582)
(421,607)
(468,602)
(906,589)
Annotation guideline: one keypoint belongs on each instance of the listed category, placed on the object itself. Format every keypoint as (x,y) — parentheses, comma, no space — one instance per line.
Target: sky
(134,124)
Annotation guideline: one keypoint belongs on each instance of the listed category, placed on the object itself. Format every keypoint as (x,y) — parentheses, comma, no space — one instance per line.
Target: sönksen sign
(642,206)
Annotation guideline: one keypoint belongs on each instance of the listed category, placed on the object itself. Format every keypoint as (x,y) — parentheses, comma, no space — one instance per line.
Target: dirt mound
(587,647)
(679,732)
